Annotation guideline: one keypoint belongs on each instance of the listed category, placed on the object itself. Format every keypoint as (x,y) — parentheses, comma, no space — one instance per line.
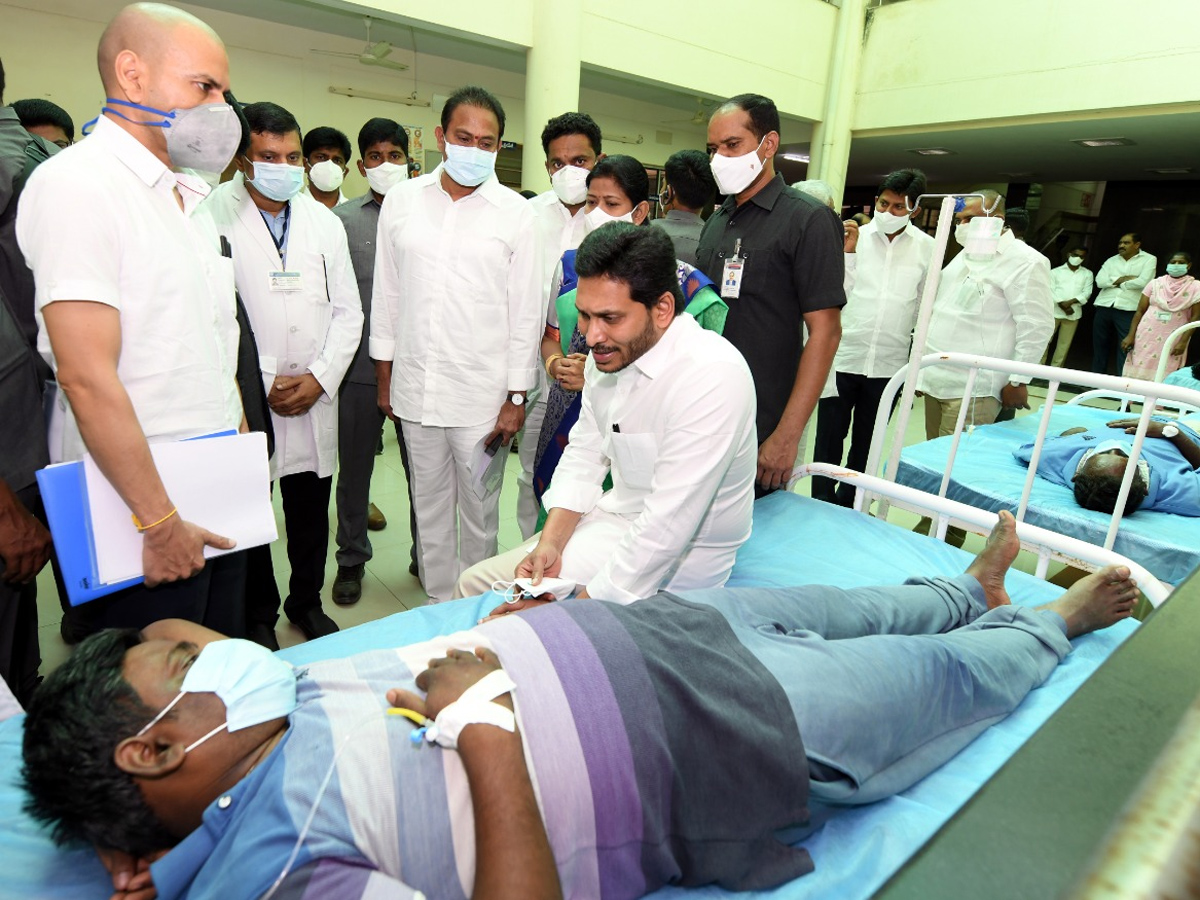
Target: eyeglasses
(63,144)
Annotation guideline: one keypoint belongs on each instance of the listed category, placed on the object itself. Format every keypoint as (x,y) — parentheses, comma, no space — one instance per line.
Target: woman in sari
(618,191)
(1167,302)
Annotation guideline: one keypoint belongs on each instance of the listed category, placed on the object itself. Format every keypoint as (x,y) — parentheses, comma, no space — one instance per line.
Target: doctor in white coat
(293,271)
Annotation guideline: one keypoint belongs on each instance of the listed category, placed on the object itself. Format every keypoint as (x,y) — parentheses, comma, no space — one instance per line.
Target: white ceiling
(984,154)
(1044,150)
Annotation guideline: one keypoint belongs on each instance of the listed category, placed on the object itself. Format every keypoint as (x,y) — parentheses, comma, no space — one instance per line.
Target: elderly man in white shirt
(135,305)
(293,271)
(571,143)
(456,319)
(1071,285)
(1121,280)
(993,305)
(669,410)
(886,265)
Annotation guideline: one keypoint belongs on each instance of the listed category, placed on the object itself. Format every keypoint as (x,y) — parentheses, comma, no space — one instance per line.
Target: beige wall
(49,51)
(928,62)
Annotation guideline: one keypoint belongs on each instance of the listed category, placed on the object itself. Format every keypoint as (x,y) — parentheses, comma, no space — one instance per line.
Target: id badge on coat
(283,281)
(731,275)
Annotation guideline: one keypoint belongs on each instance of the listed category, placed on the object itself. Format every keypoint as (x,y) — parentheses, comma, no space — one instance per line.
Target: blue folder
(65,498)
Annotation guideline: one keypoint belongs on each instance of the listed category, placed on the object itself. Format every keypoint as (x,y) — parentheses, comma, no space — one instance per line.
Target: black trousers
(360,425)
(1109,328)
(20,653)
(215,598)
(855,405)
(306,524)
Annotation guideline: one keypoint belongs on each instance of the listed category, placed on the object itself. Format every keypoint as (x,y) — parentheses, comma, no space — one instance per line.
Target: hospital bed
(795,540)
(976,465)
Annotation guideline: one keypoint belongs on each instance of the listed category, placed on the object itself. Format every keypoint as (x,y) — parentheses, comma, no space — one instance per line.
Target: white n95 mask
(570,184)
(383,177)
(255,685)
(734,174)
(1075,260)
(326,175)
(598,217)
(889,223)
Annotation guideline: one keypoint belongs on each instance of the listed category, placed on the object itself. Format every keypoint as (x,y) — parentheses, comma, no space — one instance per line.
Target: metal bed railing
(1154,396)
(1045,544)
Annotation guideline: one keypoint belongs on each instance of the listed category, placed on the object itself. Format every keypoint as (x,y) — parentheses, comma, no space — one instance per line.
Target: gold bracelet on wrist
(142,529)
(550,362)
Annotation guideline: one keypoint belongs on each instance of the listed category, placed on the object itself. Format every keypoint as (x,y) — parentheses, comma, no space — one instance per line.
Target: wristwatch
(1170,431)
(516,399)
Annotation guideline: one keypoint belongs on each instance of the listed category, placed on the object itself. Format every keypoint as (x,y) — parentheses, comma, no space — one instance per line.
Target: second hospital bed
(795,540)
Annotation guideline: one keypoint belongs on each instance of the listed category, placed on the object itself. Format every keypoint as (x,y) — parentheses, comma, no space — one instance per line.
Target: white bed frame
(878,483)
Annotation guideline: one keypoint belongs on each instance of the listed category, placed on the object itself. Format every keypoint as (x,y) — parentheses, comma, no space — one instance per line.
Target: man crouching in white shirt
(668,409)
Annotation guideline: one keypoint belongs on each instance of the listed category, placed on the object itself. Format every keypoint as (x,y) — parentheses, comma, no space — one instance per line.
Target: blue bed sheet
(988,476)
(795,540)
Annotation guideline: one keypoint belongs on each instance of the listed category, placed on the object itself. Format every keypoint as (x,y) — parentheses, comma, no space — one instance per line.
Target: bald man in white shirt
(456,319)
(135,305)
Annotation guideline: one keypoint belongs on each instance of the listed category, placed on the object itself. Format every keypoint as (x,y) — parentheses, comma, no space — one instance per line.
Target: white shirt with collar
(559,232)
(884,280)
(342,198)
(676,429)
(100,222)
(1070,285)
(457,304)
(316,328)
(999,307)
(1141,266)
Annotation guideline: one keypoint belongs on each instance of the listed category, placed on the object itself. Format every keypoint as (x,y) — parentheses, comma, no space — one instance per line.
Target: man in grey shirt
(383,146)
(690,190)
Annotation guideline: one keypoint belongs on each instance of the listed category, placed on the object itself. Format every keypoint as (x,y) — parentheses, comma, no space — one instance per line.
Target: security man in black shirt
(776,255)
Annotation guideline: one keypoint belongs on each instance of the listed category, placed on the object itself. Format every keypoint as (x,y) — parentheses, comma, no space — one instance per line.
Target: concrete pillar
(551,80)
(830,153)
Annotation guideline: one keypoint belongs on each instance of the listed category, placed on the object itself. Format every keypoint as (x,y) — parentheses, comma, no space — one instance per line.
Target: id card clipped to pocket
(731,275)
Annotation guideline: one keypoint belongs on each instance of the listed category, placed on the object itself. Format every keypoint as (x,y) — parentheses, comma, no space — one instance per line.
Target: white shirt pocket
(633,457)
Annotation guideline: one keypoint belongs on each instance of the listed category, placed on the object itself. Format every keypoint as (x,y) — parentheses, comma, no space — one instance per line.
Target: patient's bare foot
(1097,601)
(992,563)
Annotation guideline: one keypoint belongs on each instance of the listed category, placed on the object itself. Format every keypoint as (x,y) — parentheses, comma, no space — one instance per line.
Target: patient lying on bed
(661,742)
(1092,462)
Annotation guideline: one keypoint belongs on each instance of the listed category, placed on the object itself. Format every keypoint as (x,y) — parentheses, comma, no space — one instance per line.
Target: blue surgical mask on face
(278,181)
(255,685)
(469,166)
(1177,270)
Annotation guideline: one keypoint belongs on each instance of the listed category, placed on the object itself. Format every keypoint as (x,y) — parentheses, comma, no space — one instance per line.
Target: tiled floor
(387,586)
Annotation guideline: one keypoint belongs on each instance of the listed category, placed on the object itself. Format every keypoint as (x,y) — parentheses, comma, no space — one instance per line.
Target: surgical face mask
(734,174)
(203,137)
(278,181)
(469,166)
(598,217)
(383,177)
(326,175)
(1075,261)
(512,591)
(570,184)
(255,685)
(889,223)
(980,236)
(1177,270)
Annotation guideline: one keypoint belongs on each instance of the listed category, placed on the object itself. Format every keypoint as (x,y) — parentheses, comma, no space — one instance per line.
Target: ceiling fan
(372,54)
(703,108)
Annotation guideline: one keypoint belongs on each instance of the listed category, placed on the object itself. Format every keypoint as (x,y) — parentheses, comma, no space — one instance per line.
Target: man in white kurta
(294,274)
(1121,280)
(1071,284)
(571,142)
(456,318)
